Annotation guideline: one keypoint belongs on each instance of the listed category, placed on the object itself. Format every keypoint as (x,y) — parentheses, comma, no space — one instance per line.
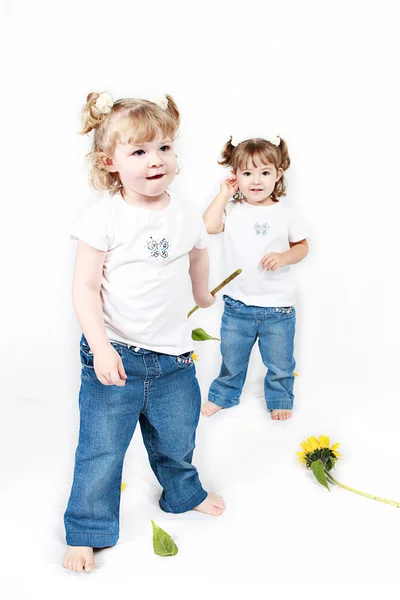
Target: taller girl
(138,249)
(263,237)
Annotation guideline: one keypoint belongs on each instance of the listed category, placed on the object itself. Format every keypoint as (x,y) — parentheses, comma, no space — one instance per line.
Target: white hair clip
(235,141)
(161,100)
(104,103)
(275,140)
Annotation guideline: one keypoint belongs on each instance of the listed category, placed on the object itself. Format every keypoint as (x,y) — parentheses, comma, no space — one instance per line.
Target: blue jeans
(240,328)
(163,394)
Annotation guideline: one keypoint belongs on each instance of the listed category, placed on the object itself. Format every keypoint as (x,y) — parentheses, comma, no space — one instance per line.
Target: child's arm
(198,271)
(213,215)
(274,260)
(86,297)
(298,251)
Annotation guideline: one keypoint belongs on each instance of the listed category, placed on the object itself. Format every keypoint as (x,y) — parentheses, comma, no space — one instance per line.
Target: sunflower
(319,449)
(320,456)
(195,357)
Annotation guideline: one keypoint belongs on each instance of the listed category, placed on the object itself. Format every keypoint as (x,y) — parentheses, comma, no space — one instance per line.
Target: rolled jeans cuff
(91,539)
(222,402)
(284,404)
(194,501)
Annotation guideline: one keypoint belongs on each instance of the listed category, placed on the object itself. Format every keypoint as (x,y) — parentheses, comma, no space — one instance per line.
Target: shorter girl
(263,237)
(139,249)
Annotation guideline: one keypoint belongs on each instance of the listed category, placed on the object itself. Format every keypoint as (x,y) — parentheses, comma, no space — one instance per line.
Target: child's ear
(279,173)
(108,162)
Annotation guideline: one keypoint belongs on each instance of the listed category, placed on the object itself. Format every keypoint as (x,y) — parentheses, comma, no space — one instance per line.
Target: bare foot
(79,558)
(281,414)
(209,409)
(212,505)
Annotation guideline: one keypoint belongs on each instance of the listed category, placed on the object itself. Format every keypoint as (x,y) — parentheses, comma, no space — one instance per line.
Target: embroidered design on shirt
(164,247)
(158,249)
(261,229)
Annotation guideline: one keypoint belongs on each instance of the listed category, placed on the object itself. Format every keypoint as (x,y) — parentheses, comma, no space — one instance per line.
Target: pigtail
(91,117)
(283,163)
(285,160)
(173,111)
(227,153)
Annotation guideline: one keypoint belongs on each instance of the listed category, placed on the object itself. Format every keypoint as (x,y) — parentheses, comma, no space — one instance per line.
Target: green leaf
(163,544)
(319,474)
(199,335)
(329,465)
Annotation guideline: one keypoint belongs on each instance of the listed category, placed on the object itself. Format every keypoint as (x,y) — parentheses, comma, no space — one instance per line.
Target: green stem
(221,285)
(347,487)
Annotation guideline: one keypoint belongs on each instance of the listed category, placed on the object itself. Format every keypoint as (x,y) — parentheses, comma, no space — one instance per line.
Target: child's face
(146,168)
(257,182)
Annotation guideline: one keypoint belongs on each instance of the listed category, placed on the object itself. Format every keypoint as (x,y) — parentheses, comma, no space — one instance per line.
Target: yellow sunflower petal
(123,486)
(195,357)
(313,443)
(334,446)
(324,441)
(305,447)
(301,456)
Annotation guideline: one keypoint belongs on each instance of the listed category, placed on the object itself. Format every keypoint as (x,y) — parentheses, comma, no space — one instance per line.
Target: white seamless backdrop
(324,77)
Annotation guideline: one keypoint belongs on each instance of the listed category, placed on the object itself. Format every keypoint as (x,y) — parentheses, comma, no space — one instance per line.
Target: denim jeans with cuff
(242,325)
(162,393)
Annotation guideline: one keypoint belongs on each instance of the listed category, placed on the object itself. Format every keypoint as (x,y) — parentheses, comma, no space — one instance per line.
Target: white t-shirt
(250,233)
(145,283)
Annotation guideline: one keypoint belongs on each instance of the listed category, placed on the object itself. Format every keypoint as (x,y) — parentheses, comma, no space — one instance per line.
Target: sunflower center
(325,455)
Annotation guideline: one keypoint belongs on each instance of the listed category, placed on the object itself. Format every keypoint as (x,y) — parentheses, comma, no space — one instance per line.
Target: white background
(323,76)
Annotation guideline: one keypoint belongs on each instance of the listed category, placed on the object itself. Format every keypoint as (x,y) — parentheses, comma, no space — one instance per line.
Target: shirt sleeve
(202,237)
(227,211)
(298,229)
(91,228)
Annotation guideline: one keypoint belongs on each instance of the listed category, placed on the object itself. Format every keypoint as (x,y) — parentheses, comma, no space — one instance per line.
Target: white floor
(281,532)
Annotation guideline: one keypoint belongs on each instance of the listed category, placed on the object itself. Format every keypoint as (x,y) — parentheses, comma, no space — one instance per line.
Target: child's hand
(205,301)
(272,261)
(108,367)
(229,186)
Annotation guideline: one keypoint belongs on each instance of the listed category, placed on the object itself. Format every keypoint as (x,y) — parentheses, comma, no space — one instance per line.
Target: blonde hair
(238,157)
(141,119)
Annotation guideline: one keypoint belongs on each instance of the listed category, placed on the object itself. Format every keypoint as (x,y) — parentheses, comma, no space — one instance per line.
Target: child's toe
(89,566)
(79,564)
